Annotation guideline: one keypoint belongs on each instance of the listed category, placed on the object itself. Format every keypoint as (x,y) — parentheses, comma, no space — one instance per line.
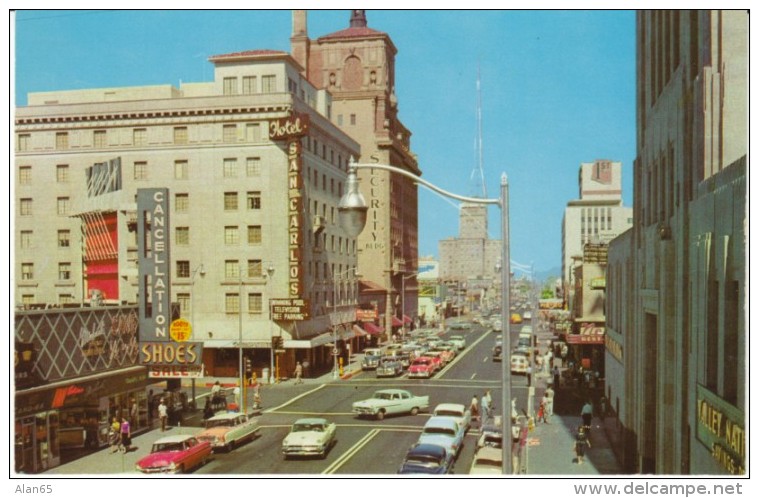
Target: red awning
(397,322)
(407,320)
(371,328)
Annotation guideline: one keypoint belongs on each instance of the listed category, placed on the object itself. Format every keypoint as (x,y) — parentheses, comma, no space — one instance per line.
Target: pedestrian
(485,408)
(581,441)
(257,400)
(215,392)
(491,406)
(587,414)
(126,435)
(541,410)
(114,435)
(207,410)
(298,373)
(556,377)
(548,396)
(163,414)
(474,408)
(236,392)
(529,375)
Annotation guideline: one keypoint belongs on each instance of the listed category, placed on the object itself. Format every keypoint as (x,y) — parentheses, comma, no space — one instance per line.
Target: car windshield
(308,428)
(427,460)
(422,361)
(448,413)
(439,430)
(228,422)
(492,440)
(167,447)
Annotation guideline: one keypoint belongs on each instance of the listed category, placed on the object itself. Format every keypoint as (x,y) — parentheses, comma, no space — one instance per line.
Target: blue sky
(558,89)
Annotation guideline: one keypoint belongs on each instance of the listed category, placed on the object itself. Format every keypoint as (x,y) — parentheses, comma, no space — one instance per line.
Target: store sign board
(721,428)
(175,372)
(289,309)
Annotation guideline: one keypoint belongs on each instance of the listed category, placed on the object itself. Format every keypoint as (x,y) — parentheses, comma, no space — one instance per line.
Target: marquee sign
(289,309)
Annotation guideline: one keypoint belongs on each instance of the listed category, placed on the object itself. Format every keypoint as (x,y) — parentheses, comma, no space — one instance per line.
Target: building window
(253,166)
(64,271)
(229,133)
(180,135)
(99,139)
(184,304)
(232,303)
(25,207)
(25,175)
(254,235)
(230,86)
(65,299)
(182,236)
(27,271)
(255,303)
(62,173)
(249,85)
(63,206)
(141,170)
(353,119)
(181,170)
(181,203)
(230,201)
(61,141)
(230,168)
(25,239)
(269,83)
(231,235)
(24,140)
(255,268)
(254,200)
(27,299)
(140,137)
(64,238)
(231,269)
(292,86)
(183,269)
(253,132)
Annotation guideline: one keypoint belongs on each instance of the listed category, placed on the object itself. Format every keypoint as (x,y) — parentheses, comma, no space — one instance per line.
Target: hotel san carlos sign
(153,229)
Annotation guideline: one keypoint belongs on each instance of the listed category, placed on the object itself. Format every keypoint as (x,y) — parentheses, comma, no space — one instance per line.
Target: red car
(175,455)
(423,367)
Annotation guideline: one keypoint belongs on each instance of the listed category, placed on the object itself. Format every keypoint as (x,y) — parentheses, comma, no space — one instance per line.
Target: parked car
(497,352)
(445,432)
(460,413)
(397,355)
(497,326)
(446,355)
(228,430)
(370,361)
(389,368)
(423,367)
(427,459)
(487,460)
(175,454)
(519,363)
(491,434)
(458,341)
(309,436)
(390,402)
(460,326)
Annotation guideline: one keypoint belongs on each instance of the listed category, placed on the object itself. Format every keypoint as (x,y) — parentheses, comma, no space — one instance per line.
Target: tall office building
(677,288)
(597,216)
(255,169)
(356,66)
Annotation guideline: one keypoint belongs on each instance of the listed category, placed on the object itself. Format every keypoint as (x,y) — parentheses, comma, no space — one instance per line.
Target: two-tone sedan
(228,430)
(175,454)
(389,368)
(309,437)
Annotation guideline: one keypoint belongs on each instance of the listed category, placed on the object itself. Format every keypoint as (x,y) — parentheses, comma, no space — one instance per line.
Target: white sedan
(309,436)
(227,430)
(487,460)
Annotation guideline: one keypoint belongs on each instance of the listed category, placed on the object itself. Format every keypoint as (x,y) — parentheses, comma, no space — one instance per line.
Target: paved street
(360,441)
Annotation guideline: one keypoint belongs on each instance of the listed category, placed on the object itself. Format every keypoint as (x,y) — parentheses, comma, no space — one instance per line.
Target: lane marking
(296,398)
(343,459)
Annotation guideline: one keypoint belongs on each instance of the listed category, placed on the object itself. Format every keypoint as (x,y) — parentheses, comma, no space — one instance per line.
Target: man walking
(298,373)
(548,396)
(163,415)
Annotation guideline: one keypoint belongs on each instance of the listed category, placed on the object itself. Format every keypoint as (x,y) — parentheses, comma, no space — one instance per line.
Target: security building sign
(164,356)
(720,427)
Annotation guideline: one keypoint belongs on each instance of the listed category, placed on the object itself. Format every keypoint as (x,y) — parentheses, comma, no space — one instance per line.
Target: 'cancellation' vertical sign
(153,262)
(291,129)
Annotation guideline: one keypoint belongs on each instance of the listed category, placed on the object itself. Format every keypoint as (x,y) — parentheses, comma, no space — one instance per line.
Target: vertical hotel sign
(156,344)
(291,129)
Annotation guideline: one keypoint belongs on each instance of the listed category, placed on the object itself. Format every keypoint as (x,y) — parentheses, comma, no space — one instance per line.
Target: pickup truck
(391,402)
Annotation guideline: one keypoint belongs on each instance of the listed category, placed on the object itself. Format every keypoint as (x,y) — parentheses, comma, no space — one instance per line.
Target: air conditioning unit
(320,223)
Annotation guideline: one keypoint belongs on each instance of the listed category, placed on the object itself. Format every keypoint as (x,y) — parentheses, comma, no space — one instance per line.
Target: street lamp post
(352,212)
(335,370)
(199,270)
(403,302)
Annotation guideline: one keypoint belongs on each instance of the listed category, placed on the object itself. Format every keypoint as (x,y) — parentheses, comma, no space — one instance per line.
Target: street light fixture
(352,212)
(335,374)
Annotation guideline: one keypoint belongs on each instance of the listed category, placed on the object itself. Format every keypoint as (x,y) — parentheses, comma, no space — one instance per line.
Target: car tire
(380,414)
(414,411)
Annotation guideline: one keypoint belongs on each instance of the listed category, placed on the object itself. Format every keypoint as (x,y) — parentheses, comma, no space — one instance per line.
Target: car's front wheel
(380,414)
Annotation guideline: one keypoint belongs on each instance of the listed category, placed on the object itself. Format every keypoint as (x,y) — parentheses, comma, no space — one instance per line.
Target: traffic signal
(248,366)
(276,342)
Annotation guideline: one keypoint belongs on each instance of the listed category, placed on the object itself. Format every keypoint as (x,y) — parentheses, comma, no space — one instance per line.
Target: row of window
(250,84)
(26,206)
(26,239)
(27,271)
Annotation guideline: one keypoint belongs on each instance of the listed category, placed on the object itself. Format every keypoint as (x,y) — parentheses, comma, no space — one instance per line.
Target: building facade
(681,269)
(255,169)
(597,216)
(356,66)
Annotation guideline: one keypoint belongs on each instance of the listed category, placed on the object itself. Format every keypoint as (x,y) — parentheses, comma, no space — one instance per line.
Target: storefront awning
(359,331)
(397,322)
(407,320)
(372,329)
